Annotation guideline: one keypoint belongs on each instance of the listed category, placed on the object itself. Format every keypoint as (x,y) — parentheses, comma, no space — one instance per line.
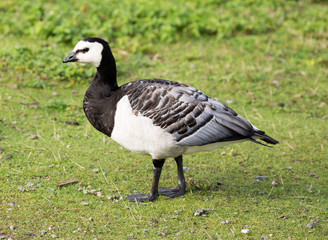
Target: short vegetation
(266,59)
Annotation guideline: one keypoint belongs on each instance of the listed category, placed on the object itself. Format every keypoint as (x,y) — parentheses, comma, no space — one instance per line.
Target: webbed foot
(141,197)
(172,192)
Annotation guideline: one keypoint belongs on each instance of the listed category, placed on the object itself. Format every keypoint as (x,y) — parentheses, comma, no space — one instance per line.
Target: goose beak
(70,58)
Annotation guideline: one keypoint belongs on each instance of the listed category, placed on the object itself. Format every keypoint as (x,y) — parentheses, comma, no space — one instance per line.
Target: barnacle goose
(157,117)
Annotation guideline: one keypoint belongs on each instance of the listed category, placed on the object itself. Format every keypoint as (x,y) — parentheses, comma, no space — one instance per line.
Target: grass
(276,80)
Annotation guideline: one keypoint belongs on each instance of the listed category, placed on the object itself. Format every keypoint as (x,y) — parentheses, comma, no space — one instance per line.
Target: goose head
(89,50)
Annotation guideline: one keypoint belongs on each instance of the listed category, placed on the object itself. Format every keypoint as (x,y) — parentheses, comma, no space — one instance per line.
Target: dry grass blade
(67,182)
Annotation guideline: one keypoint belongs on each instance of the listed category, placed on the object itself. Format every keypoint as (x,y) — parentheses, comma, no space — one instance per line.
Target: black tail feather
(254,141)
(262,136)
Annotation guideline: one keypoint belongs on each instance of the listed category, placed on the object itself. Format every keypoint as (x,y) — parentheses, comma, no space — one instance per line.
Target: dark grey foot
(180,190)
(172,192)
(140,197)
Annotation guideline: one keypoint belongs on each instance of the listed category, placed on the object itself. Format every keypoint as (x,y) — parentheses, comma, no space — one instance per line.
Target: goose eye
(85,50)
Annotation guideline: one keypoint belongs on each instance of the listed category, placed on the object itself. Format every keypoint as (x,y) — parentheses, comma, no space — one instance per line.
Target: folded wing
(187,113)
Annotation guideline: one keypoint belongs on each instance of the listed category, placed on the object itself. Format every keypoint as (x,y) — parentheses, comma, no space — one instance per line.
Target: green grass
(278,80)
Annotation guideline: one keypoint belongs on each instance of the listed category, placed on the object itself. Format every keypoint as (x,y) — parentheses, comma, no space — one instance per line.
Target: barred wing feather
(187,113)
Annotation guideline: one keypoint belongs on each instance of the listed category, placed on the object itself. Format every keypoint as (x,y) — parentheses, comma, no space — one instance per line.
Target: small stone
(84,203)
(43,232)
(274,183)
(12,227)
(229,101)
(321,105)
(87,135)
(76,123)
(33,137)
(203,211)
(20,188)
(178,234)
(85,191)
(53,236)
(219,183)
(281,104)
(93,191)
(7,156)
(56,94)
(99,194)
(14,122)
(185,169)
(245,231)
(262,177)
(146,230)
(29,184)
(311,225)
(264,237)
(91,219)
(95,170)
(225,222)
(276,83)
(223,153)
(287,168)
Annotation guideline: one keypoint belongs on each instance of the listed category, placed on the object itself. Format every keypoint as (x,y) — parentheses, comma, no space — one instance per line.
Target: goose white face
(86,52)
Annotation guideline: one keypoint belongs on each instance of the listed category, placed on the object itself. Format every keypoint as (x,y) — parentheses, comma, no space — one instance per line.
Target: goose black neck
(106,72)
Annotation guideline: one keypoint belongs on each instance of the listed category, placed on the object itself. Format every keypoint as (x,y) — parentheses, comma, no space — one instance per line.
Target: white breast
(140,135)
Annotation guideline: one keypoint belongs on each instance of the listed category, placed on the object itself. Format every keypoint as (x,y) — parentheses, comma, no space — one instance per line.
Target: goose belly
(209,147)
(138,134)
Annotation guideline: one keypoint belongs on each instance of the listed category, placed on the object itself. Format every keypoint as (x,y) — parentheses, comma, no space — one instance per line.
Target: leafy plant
(136,24)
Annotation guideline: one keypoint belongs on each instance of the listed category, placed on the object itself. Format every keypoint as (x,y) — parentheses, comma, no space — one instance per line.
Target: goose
(156,117)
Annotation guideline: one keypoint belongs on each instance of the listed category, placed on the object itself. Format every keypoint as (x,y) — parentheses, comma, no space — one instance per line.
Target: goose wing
(192,117)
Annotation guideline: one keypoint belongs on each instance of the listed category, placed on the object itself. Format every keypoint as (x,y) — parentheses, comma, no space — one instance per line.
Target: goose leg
(157,170)
(181,188)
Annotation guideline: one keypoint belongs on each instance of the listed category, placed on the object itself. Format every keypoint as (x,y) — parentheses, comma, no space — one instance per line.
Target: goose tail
(258,134)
